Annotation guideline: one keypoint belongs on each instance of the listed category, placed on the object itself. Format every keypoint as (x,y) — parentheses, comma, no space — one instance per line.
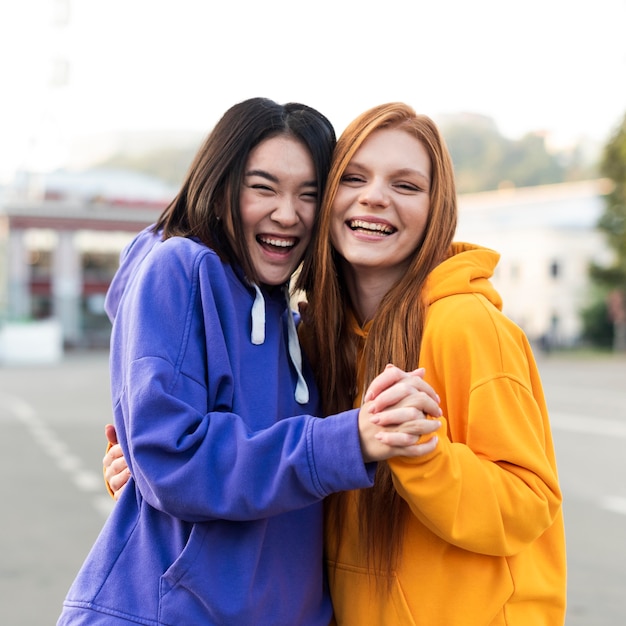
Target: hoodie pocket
(364,599)
(185,587)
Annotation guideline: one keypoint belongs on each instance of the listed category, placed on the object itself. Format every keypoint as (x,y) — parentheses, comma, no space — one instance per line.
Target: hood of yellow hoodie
(467,270)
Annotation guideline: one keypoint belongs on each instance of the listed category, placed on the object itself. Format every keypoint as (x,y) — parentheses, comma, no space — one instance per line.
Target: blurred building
(547,238)
(60,241)
(59,253)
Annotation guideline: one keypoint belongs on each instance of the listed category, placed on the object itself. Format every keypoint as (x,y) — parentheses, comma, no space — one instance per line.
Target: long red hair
(397,327)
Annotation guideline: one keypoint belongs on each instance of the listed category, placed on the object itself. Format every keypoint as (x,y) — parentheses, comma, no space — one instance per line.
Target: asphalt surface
(54,503)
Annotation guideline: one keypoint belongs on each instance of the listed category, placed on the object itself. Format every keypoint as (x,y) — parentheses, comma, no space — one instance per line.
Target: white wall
(533,229)
(27,343)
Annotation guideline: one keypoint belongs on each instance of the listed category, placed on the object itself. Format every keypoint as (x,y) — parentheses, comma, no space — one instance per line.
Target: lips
(371,228)
(277,244)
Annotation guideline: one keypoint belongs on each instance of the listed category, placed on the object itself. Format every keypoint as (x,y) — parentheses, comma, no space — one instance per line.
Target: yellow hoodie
(485,543)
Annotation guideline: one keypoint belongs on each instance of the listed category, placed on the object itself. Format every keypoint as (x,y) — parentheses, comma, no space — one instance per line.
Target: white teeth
(362,225)
(279,243)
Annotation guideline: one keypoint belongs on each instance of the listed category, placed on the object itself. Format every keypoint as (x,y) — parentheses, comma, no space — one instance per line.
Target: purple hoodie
(222,520)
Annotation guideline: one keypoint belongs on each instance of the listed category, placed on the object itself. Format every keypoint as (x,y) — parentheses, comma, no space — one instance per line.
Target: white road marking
(48,441)
(588,425)
(90,482)
(615,504)
(594,426)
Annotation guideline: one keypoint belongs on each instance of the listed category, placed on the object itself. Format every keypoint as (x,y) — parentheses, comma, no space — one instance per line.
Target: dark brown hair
(210,191)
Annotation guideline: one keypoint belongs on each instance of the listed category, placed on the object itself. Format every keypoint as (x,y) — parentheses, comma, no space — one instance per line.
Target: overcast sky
(107,65)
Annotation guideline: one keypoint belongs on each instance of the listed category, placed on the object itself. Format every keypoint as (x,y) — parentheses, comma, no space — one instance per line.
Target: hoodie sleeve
(130,259)
(190,456)
(491,485)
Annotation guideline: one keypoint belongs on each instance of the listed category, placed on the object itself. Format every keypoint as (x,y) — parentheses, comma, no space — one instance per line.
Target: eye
(261,187)
(410,187)
(311,196)
(348,179)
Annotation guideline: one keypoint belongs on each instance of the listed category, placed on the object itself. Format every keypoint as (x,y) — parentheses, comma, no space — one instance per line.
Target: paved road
(53,502)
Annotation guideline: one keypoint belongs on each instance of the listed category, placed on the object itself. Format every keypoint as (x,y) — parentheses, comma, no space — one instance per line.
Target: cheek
(307,217)
(415,218)
(251,214)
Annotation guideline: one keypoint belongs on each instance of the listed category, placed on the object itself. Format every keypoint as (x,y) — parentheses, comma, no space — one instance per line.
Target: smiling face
(382,203)
(278,201)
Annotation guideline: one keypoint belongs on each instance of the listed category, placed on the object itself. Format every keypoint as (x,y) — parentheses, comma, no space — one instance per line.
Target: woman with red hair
(470,533)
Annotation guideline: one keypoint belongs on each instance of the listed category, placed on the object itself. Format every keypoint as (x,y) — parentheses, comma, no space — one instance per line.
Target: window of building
(555,269)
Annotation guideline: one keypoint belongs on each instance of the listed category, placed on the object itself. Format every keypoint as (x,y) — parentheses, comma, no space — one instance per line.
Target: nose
(374,194)
(285,212)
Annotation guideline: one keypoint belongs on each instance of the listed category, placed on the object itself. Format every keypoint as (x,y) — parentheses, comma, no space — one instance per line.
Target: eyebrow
(274,179)
(262,174)
(404,171)
(407,171)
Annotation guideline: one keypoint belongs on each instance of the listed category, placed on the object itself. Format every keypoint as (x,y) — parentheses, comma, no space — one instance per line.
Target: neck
(367,288)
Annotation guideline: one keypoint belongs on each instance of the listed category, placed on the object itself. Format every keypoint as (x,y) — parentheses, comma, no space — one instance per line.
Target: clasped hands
(398,416)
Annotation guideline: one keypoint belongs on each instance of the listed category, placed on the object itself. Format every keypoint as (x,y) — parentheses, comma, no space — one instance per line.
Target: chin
(274,281)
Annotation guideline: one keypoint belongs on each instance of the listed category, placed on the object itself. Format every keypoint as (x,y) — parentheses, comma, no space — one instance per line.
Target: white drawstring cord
(257,337)
(295,352)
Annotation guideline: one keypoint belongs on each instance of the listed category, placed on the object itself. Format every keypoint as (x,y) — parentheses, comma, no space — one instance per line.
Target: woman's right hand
(116,472)
(396,418)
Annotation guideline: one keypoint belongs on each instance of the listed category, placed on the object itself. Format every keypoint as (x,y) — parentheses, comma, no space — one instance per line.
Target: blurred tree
(477,150)
(170,164)
(613,224)
(577,164)
(485,160)
(597,325)
(527,162)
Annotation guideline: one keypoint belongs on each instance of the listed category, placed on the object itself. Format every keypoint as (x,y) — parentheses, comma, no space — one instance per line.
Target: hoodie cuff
(337,460)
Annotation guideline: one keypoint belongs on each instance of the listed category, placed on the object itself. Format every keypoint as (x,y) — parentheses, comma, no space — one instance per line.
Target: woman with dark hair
(471,532)
(221,522)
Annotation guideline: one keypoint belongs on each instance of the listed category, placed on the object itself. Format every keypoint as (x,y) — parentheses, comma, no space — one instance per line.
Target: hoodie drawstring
(295,353)
(258,318)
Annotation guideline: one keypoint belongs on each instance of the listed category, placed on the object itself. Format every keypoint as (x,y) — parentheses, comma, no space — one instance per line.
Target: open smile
(371,228)
(277,245)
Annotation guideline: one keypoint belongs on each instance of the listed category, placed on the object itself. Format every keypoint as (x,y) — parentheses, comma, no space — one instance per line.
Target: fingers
(390,375)
(392,444)
(408,390)
(418,382)
(114,469)
(118,482)
(414,451)
(406,393)
(408,433)
(110,433)
(386,411)
(116,472)
(404,387)
(113,453)
(393,419)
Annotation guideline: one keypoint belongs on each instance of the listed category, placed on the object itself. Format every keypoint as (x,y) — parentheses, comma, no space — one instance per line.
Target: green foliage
(167,164)
(613,224)
(597,325)
(613,220)
(485,160)
(606,277)
(613,164)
